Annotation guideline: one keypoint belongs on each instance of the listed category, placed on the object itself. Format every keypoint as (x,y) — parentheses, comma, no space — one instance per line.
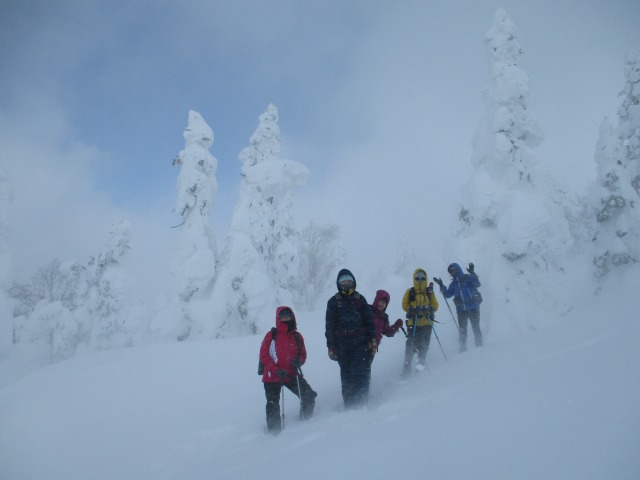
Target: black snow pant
(472,316)
(354,359)
(418,340)
(272,392)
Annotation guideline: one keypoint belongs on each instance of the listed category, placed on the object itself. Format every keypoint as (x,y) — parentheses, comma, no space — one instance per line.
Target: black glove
(295,363)
(373,346)
(471,269)
(281,373)
(438,281)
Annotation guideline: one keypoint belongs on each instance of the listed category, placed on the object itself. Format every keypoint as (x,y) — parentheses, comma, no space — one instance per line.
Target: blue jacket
(464,290)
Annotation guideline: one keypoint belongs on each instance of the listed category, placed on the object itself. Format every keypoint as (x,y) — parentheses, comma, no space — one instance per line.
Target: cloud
(379,99)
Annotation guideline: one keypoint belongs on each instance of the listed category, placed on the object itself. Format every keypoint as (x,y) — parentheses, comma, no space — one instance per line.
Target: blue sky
(378,99)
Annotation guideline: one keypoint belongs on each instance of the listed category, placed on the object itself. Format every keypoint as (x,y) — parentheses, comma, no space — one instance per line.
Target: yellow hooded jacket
(422,299)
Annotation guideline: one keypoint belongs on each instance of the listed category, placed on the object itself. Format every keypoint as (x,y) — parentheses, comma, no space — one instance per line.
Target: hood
(342,272)
(457,267)
(422,285)
(280,324)
(381,294)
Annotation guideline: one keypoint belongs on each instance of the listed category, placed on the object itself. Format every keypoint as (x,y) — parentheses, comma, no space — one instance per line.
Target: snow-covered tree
(46,325)
(6,269)
(320,257)
(70,306)
(114,322)
(512,220)
(260,258)
(613,199)
(55,282)
(267,185)
(505,138)
(194,266)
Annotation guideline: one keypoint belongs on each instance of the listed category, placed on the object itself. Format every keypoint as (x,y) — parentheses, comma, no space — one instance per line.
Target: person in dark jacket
(351,339)
(381,318)
(420,303)
(282,353)
(464,290)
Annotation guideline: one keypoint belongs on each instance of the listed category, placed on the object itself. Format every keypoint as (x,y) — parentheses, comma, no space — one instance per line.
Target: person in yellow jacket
(420,303)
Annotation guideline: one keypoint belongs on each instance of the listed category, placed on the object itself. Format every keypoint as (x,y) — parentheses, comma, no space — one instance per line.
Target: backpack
(274,335)
(412,292)
(477,297)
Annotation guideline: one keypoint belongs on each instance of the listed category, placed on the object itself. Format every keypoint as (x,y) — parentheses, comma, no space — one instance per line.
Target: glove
(373,347)
(295,363)
(397,325)
(471,269)
(430,289)
(438,281)
(332,355)
(281,373)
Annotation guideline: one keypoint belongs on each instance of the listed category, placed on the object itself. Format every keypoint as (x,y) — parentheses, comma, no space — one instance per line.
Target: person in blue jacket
(464,290)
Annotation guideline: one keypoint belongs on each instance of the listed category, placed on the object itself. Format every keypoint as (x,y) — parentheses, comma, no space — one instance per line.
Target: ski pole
(454,318)
(282,395)
(435,333)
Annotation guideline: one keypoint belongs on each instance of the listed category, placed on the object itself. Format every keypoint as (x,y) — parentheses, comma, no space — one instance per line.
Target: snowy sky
(378,99)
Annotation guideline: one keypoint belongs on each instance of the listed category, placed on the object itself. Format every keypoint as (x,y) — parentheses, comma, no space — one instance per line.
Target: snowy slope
(559,404)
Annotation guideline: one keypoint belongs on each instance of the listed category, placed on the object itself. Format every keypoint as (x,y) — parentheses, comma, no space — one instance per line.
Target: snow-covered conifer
(505,138)
(113,320)
(613,199)
(512,221)
(194,265)
(260,257)
(267,187)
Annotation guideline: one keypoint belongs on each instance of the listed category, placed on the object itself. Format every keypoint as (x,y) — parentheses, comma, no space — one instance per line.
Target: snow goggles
(420,277)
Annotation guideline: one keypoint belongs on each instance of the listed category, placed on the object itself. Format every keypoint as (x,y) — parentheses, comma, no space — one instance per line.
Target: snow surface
(558,403)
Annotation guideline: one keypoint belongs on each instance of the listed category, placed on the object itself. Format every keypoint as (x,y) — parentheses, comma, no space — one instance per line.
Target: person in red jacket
(282,353)
(381,319)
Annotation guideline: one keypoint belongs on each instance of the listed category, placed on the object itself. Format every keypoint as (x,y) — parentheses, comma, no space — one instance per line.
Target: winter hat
(344,277)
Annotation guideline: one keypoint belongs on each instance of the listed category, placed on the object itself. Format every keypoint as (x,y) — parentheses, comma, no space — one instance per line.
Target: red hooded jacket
(287,348)
(380,317)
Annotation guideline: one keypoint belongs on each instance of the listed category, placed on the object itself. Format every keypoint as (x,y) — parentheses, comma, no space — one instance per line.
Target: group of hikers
(354,329)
